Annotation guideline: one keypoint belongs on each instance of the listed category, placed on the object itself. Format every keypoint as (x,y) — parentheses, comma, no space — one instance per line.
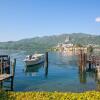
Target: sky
(21,19)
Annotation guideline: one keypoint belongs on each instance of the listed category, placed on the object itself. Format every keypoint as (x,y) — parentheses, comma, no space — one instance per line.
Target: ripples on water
(62,74)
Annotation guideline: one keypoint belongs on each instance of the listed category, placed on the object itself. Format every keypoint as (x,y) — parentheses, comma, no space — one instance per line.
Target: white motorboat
(34,59)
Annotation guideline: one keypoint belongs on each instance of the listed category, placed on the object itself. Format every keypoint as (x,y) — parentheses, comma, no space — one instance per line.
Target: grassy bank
(91,95)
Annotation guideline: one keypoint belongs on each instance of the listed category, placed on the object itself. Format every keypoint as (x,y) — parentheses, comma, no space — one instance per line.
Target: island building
(68,47)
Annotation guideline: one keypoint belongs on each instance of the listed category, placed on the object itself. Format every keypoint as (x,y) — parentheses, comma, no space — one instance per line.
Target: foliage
(78,45)
(89,95)
(47,42)
(90,49)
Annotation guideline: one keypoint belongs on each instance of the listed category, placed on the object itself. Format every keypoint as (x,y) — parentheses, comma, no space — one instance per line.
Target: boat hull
(34,59)
(30,63)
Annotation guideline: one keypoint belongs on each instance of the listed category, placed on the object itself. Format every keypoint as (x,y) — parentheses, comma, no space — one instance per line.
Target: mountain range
(46,42)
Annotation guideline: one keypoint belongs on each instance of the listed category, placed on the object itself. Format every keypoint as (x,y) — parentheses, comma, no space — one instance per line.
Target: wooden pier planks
(5,76)
(6,65)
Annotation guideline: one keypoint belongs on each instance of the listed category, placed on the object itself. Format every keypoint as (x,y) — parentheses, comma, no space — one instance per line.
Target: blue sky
(29,18)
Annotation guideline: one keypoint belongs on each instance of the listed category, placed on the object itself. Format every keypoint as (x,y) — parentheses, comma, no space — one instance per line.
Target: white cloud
(97,19)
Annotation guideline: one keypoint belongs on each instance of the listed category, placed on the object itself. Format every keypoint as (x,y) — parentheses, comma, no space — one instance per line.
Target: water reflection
(82,76)
(46,70)
(32,70)
(98,76)
(64,75)
(98,81)
(87,74)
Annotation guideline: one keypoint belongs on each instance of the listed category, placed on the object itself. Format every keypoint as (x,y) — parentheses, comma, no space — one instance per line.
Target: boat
(34,59)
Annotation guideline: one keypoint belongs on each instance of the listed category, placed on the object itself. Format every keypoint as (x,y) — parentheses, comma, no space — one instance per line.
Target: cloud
(97,19)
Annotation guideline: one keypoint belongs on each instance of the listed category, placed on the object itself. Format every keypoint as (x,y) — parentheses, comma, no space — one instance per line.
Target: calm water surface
(62,74)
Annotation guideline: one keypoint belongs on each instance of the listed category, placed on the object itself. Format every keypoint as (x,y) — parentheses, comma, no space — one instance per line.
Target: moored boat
(34,59)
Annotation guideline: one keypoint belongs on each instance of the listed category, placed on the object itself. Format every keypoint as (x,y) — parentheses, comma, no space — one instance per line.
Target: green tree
(79,45)
(90,49)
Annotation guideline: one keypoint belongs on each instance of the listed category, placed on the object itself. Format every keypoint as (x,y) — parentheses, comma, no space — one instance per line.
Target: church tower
(67,39)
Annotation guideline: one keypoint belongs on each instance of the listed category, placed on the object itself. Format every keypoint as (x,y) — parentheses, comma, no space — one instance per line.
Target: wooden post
(81,60)
(46,70)
(46,64)
(82,75)
(1,65)
(89,65)
(7,68)
(13,73)
(9,60)
(12,81)
(14,61)
(81,56)
(1,83)
(84,59)
(13,67)
(46,58)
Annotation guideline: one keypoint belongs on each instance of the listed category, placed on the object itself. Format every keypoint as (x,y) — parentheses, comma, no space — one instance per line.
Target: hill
(46,42)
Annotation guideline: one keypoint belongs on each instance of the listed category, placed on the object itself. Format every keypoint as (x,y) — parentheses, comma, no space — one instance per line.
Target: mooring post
(46,64)
(46,70)
(81,56)
(7,68)
(1,66)
(13,73)
(13,67)
(15,61)
(12,78)
(46,58)
(1,83)
(82,75)
(85,59)
(9,60)
(81,60)
(89,65)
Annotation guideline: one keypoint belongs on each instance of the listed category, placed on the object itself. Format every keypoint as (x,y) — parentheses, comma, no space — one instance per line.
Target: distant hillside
(46,42)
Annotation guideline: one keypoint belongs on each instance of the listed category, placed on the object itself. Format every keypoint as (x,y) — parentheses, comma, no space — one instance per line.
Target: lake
(62,74)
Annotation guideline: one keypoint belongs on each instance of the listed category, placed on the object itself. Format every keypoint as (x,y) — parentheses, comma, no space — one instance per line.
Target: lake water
(62,74)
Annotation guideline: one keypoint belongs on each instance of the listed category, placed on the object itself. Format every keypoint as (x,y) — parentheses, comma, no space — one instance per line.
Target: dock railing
(7,70)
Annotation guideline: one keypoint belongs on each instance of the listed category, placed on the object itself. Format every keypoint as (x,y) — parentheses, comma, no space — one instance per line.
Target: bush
(90,95)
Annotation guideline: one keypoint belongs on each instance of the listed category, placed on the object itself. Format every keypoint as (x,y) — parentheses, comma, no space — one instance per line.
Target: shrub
(89,95)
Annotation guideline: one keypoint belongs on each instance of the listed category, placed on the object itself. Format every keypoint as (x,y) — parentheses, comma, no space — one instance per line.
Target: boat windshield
(28,57)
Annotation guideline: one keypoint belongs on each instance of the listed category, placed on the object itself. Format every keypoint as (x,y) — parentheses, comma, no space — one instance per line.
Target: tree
(90,49)
(79,45)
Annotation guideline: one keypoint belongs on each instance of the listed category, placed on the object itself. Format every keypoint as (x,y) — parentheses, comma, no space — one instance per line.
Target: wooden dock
(89,61)
(5,76)
(7,70)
